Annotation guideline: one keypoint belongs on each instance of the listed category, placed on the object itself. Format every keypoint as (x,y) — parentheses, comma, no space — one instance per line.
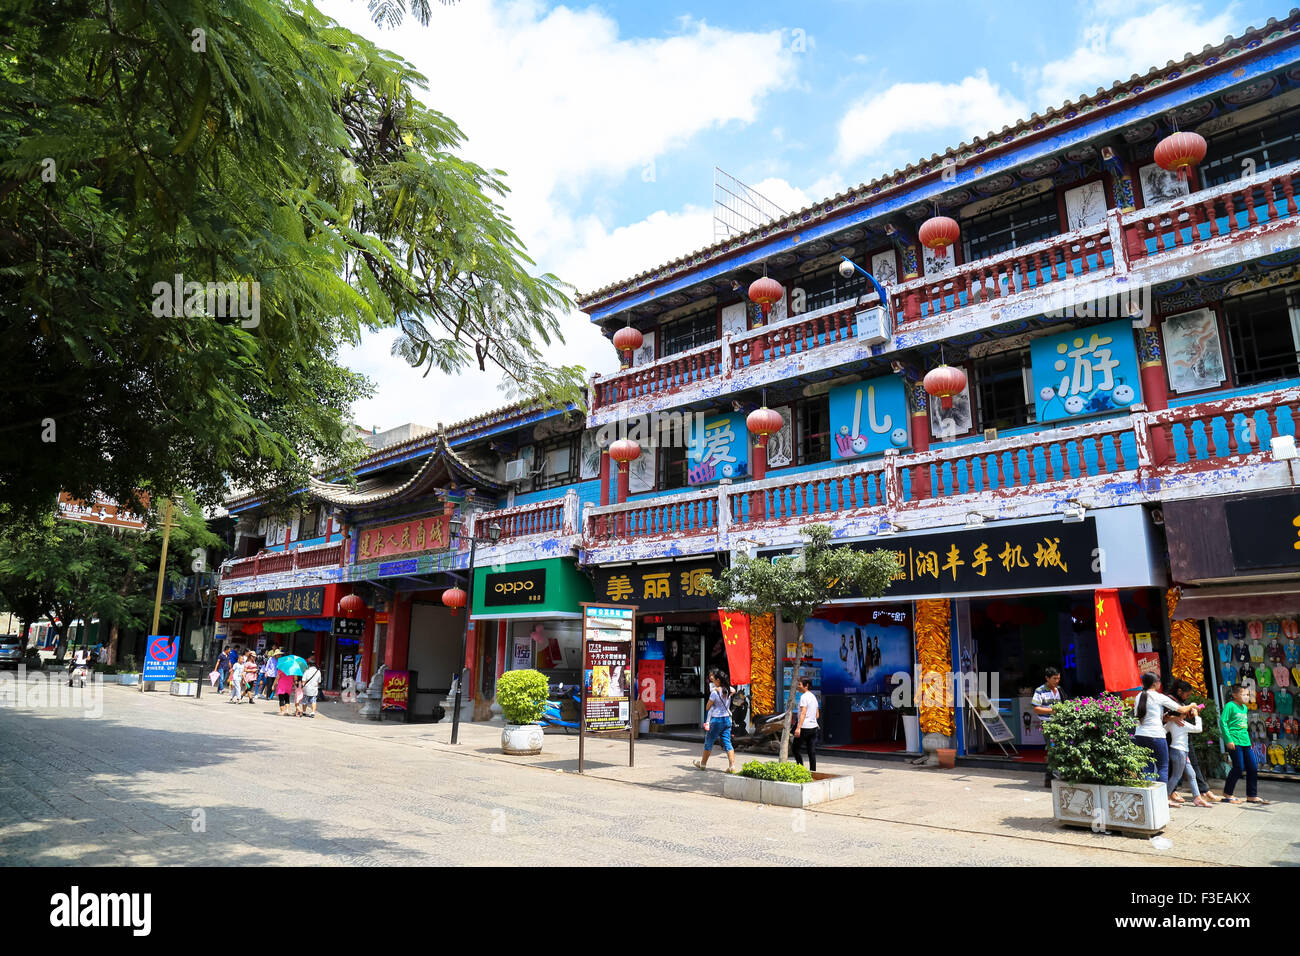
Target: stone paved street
(163,780)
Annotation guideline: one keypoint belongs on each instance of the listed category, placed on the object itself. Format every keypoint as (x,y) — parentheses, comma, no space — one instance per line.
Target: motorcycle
(766,732)
(563,709)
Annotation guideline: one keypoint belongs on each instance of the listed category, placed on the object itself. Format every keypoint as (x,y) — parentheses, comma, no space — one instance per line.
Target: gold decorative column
(934,653)
(1185,652)
(762,662)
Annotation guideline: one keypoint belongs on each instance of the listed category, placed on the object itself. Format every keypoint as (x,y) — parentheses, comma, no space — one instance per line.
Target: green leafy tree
(796,586)
(70,570)
(286,170)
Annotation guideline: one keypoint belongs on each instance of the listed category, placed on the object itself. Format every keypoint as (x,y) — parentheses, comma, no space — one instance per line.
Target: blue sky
(609,118)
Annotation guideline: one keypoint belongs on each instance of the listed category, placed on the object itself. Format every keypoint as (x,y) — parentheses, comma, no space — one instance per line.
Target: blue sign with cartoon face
(1085,373)
(719,449)
(869,417)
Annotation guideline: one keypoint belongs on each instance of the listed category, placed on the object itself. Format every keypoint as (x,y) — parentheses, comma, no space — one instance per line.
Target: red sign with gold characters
(428,533)
(102,510)
(397,690)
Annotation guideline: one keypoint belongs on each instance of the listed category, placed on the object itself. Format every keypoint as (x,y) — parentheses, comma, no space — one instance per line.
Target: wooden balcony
(277,562)
(1209,229)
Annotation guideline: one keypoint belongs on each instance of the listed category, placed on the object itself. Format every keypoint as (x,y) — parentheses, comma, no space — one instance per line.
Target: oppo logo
(510,587)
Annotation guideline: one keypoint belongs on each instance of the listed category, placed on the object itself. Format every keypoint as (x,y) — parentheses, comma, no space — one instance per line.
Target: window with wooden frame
(1268,143)
(692,331)
(671,465)
(1263,337)
(810,422)
(1002,392)
(309,522)
(558,459)
(1010,227)
(827,287)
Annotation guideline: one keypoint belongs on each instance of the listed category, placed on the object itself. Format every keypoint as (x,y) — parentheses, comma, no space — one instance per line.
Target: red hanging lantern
(625,451)
(943,383)
(1178,152)
(765,292)
(454,598)
(764,421)
(351,605)
(938,232)
(627,340)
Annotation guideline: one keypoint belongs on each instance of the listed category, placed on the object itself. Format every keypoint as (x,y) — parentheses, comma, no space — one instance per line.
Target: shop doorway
(433,653)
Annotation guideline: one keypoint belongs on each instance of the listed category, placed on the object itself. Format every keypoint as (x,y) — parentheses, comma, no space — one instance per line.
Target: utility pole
(162,564)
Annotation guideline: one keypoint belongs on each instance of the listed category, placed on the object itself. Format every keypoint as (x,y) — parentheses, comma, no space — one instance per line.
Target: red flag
(1118,662)
(735,633)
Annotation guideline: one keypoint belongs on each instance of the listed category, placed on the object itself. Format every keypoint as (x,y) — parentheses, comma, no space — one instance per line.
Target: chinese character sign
(1084,373)
(868,417)
(429,533)
(719,448)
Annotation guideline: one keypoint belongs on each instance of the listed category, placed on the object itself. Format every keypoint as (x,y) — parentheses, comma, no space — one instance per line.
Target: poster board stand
(608,676)
(993,724)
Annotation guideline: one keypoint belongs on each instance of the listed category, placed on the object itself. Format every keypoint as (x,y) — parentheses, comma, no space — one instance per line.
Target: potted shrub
(522,695)
(785,784)
(1091,749)
(183,687)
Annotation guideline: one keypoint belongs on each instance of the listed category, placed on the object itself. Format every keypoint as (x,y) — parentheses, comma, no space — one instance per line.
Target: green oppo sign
(550,588)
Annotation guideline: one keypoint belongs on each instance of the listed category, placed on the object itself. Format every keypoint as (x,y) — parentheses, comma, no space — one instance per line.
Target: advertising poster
(397,690)
(650,674)
(1031,725)
(1086,372)
(861,647)
(607,699)
(868,417)
(719,448)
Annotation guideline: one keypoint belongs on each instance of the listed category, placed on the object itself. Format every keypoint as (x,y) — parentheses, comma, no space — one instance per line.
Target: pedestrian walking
(284,692)
(236,681)
(1236,738)
(250,676)
(223,672)
(1047,694)
(1179,727)
(311,680)
(1182,692)
(268,676)
(1150,708)
(717,721)
(807,729)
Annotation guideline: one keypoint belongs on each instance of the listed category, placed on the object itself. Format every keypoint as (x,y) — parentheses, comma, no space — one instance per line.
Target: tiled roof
(1120,92)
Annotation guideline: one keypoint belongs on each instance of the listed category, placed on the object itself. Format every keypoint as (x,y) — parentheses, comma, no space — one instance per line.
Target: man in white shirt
(805,732)
(311,679)
(1047,694)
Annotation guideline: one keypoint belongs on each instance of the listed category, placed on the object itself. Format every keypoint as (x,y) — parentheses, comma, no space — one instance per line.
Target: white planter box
(521,739)
(184,689)
(778,793)
(1131,809)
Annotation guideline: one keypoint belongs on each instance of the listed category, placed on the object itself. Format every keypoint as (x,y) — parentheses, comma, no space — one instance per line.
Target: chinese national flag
(1118,662)
(735,632)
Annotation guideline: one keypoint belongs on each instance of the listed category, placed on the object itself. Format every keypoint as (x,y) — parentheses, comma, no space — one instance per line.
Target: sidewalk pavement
(966,799)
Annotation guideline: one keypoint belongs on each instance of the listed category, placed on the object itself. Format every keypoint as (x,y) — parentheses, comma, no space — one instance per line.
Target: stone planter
(131,679)
(184,688)
(778,793)
(521,739)
(1142,810)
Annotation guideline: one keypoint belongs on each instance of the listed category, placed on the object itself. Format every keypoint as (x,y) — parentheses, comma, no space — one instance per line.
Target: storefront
(1241,606)
(530,616)
(679,638)
(296,620)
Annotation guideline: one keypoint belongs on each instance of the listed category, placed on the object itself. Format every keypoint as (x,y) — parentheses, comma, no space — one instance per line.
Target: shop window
(1268,144)
(1010,227)
(558,461)
(1002,390)
(1262,335)
(688,333)
(829,287)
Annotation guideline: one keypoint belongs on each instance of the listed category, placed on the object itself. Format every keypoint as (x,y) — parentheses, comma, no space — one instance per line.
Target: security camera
(846,269)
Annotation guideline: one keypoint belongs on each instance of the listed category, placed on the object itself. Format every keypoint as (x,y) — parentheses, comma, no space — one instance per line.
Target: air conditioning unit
(873,326)
(516,470)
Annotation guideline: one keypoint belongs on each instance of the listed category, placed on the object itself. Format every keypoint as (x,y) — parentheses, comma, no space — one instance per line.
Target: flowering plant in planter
(1090,740)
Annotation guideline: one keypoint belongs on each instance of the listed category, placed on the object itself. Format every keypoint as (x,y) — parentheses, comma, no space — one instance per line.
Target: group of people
(1165,723)
(250,675)
(804,726)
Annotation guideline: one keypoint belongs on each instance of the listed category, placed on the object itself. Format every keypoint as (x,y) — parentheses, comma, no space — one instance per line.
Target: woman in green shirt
(1237,737)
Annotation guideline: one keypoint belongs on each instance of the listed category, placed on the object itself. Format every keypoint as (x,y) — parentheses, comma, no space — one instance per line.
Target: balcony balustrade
(277,562)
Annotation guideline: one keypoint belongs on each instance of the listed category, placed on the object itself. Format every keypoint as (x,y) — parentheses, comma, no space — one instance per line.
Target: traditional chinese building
(1082,375)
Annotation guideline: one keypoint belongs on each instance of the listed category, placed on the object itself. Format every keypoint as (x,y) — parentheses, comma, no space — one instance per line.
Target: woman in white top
(1179,765)
(1150,708)
(717,721)
(805,732)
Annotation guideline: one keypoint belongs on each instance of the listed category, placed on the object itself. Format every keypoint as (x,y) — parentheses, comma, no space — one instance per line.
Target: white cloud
(974,106)
(567,108)
(1113,49)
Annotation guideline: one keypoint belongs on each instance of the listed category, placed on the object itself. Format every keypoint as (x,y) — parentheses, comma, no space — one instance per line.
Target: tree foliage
(796,586)
(237,142)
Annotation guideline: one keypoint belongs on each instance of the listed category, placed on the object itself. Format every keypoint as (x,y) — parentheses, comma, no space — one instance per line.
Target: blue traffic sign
(160,657)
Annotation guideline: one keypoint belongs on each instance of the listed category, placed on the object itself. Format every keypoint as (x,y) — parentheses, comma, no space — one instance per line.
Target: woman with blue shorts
(717,722)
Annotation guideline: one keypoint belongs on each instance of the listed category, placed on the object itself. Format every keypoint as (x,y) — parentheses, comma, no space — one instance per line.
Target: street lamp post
(494,535)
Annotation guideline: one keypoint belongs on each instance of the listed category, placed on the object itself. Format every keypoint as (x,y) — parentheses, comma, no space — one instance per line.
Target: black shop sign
(656,588)
(515,587)
(1264,531)
(349,627)
(297,602)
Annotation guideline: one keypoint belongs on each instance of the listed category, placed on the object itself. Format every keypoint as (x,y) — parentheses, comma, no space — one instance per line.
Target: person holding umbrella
(290,667)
